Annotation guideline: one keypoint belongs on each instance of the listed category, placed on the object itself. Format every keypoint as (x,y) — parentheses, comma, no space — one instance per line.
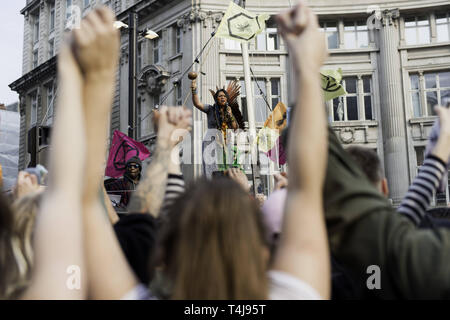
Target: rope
(196,60)
(51,103)
(200,69)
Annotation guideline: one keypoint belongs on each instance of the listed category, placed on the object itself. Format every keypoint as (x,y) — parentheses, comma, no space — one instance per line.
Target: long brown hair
(212,244)
(234,108)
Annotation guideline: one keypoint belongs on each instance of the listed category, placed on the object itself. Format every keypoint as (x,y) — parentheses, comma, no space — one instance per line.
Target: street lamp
(119,25)
(132,66)
(148,34)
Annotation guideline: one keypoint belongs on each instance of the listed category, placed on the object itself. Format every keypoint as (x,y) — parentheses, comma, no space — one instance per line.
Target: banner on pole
(122,149)
(240,25)
(275,122)
(331,84)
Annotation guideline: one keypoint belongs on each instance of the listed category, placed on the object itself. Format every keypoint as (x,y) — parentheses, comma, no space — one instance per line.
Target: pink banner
(272,154)
(122,149)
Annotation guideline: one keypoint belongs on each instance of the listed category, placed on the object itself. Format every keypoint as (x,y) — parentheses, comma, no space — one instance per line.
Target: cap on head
(134,159)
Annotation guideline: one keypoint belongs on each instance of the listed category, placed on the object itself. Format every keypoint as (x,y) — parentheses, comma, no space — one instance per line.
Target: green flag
(240,25)
(331,84)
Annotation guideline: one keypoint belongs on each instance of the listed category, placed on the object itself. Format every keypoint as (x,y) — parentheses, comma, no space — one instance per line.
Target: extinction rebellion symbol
(122,153)
(331,84)
(240,25)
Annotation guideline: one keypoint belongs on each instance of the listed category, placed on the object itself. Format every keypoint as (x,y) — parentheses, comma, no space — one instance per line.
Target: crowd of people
(328,222)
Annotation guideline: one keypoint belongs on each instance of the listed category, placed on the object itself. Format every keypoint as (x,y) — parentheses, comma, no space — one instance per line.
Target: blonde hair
(25,210)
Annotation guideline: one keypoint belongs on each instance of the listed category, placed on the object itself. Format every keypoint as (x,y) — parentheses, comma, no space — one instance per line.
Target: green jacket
(365,230)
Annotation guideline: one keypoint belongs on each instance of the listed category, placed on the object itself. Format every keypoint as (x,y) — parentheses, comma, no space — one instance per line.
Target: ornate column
(392,107)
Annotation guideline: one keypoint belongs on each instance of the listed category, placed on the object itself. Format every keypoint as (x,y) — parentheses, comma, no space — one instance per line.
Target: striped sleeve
(420,193)
(175,187)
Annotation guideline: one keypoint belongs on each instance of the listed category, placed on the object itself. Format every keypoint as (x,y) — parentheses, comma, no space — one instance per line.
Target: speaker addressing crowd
(210,239)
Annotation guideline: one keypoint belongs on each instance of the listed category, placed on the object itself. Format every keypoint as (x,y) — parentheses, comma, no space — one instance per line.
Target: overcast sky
(11,42)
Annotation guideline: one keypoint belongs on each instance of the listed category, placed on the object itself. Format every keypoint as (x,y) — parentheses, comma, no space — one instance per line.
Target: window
(157,49)
(367,93)
(87,3)
(232,45)
(432,88)
(276,91)
(36,27)
(356,35)
(178,94)
(415,95)
(260,93)
(437,89)
(52,16)
(420,155)
(35,58)
(443,27)
(417,30)
(144,116)
(139,56)
(178,40)
(68,9)
(268,40)
(243,105)
(357,104)
(33,109)
(51,48)
(50,101)
(331,34)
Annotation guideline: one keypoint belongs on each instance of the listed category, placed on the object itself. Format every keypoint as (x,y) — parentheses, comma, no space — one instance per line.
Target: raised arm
(58,235)
(97,51)
(195,99)
(420,193)
(149,196)
(303,250)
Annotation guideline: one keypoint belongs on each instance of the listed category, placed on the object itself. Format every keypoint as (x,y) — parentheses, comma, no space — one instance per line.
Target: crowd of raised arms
(327,224)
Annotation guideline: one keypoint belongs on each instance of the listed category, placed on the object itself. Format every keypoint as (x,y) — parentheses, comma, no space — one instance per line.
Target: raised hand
(194,85)
(238,176)
(26,183)
(170,121)
(97,42)
(281,181)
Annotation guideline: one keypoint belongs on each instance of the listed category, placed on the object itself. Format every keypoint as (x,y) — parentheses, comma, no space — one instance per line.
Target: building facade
(395,59)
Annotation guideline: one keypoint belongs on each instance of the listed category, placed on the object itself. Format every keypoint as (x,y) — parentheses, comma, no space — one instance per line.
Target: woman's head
(221,97)
(213,245)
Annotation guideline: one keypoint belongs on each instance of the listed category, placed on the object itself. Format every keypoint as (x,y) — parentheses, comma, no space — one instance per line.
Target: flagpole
(250,105)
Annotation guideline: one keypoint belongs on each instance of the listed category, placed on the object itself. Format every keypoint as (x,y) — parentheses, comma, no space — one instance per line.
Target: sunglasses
(135,166)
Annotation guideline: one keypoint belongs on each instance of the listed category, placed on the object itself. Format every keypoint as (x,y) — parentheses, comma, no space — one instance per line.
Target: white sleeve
(139,292)
(283,286)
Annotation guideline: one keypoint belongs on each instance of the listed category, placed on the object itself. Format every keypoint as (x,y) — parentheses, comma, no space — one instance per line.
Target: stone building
(395,58)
